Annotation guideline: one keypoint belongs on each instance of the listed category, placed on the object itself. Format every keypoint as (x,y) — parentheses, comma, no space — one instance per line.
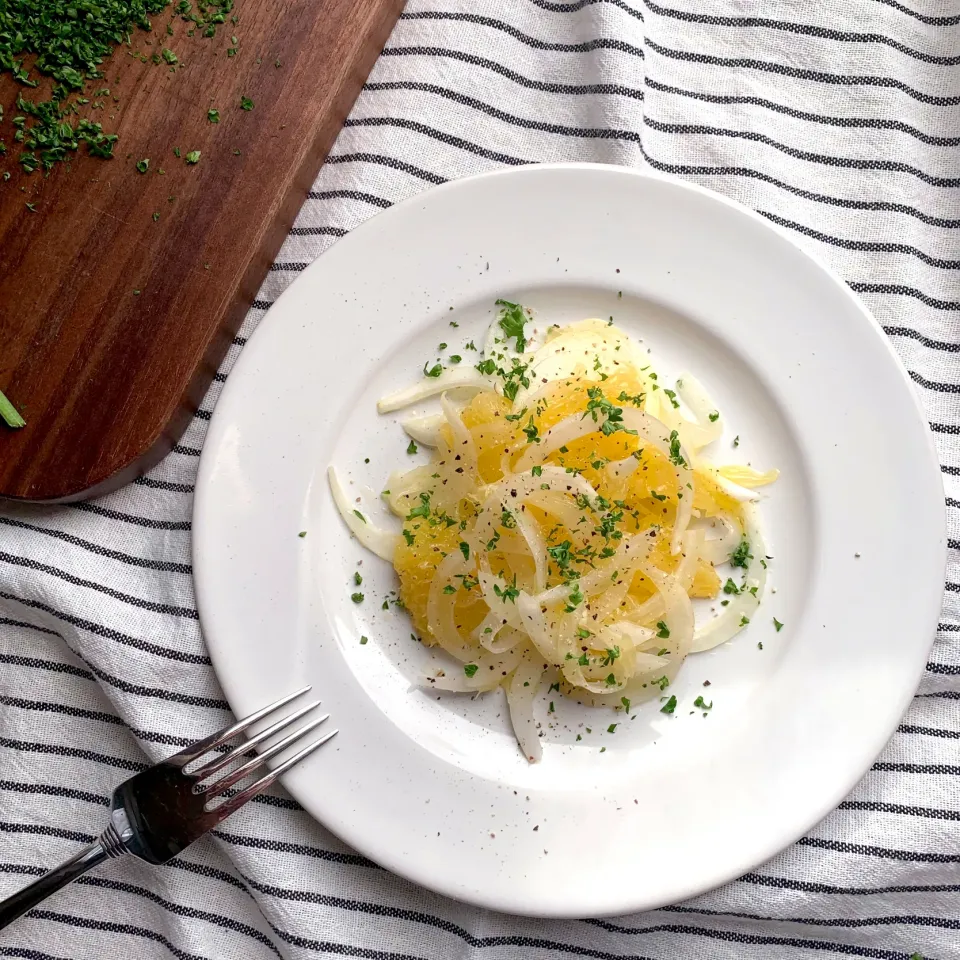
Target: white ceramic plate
(434,787)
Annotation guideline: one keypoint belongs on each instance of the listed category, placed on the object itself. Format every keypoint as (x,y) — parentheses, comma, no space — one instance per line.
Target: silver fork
(161,811)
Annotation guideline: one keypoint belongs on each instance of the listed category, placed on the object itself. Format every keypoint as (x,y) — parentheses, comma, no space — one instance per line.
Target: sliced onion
(727,624)
(460,378)
(698,400)
(463,446)
(744,476)
(379,541)
(441,619)
(731,489)
(523,689)
(491,671)
(718,549)
(653,431)
(425,430)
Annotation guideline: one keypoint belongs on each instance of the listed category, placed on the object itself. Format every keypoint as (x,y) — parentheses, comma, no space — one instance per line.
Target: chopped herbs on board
(69,43)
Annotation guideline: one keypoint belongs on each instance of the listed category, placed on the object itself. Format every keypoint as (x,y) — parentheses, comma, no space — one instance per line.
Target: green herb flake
(246,103)
(777,625)
(465,550)
(363,640)
(714,417)
(744,621)
(359,515)
(736,440)
(193,156)
(741,556)
(433,371)
(702,704)
(302,534)
(670,705)
(356,597)
(512,320)
(9,414)
(730,587)
(143,165)
(176,152)
(357,579)
(612,728)
(412,447)
(470,669)
(213,116)
(663,631)
(626,703)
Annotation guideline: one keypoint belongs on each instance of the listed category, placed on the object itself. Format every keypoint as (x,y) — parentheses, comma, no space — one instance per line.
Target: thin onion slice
(379,541)
(425,430)
(730,622)
(460,378)
(523,689)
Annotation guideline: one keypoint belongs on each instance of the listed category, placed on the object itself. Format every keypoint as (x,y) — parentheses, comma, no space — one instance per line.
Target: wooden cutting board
(121,291)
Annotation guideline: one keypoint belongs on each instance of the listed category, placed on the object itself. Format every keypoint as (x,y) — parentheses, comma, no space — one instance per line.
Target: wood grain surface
(108,377)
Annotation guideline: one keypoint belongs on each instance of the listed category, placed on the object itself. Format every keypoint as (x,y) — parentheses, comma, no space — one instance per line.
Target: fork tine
(238,800)
(224,783)
(201,773)
(201,747)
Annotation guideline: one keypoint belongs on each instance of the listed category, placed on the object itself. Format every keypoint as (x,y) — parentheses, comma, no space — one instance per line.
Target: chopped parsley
(676,457)
(531,431)
(537,471)
(670,705)
(509,592)
(702,704)
(512,320)
(143,165)
(465,550)
(422,509)
(302,534)
(363,640)
(412,447)
(626,703)
(673,398)
(715,416)
(736,440)
(357,579)
(193,156)
(778,626)
(408,536)
(359,515)
(470,669)
(356,597)
(433,371)
(744,621)
(730,587)
(574,599)
(663,631)
(213,116)
(612,728)
(741,556)
(246,103)
(613,416)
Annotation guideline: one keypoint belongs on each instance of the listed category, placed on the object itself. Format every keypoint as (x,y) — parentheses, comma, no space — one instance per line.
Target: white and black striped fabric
(839,120)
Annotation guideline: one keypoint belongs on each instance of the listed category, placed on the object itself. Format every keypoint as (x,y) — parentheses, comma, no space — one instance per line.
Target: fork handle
(41,888)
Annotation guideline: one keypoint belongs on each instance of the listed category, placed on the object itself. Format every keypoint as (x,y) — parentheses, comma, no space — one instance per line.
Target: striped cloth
(839,120)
